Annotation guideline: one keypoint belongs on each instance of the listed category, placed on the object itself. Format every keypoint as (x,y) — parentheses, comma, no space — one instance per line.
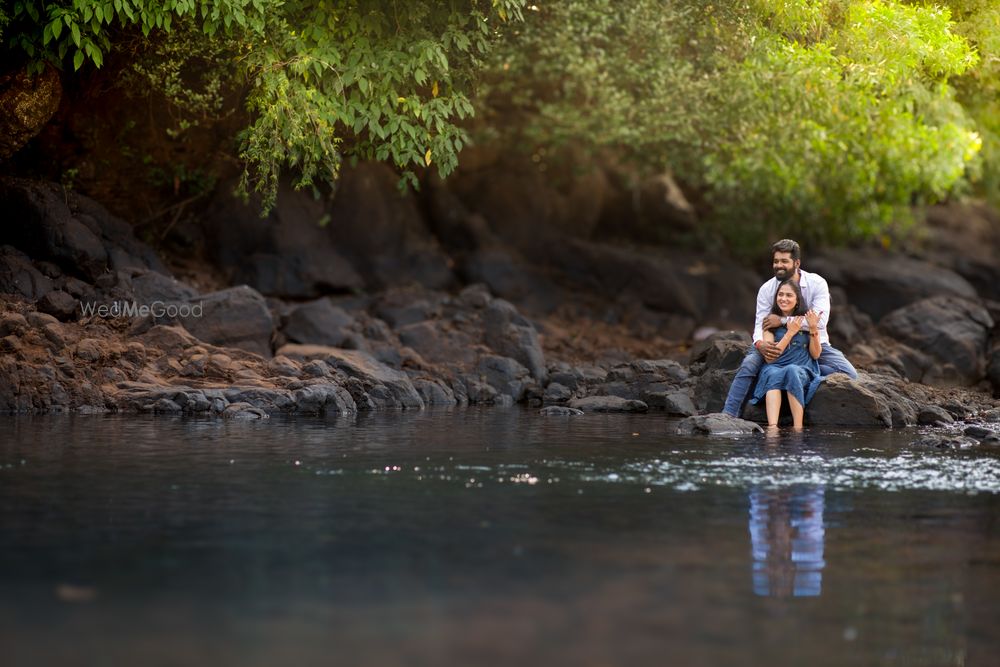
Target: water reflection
(786,534)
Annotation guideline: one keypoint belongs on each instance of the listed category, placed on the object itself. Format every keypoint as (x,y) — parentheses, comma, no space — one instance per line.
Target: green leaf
(77,60)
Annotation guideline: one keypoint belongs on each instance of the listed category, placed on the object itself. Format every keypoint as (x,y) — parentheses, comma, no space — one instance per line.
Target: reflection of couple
(786,536)
(791,350)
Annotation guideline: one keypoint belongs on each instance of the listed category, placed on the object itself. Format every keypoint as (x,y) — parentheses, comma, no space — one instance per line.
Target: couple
(791,350)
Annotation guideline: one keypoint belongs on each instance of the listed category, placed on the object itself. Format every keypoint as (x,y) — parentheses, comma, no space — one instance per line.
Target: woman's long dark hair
(800,306)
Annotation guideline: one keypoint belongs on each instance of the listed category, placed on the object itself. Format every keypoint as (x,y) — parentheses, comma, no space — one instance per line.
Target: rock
(508,275)
(150,287)
(964,237)
(19,276)
(10,344)
(316,369)
(381,231)
(45,227)
(840,401)
(235,317)
(172,340)
(400,307)
(438,343)
(244,412)
(511,335)
(951,331)
(990,416)
(607,404)
(677,403)
(932,415)
(288,254)
(557,393)
(89,349)
(434,393)
(476,296)
(944,441)
(717,423)
(504,374)
(979,432)
(878,283)
(993,369)
(55,336)
(13,324)
(711,390)
(720,351)
(364,367)
(324,399)
(59,304)
(39,320)
(559,411)
(320,323)
(268,399)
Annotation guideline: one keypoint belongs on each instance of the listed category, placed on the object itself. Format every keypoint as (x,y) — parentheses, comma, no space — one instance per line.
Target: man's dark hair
(787,245)
(800,306)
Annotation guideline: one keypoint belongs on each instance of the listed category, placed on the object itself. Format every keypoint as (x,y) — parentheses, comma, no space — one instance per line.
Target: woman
(796,370)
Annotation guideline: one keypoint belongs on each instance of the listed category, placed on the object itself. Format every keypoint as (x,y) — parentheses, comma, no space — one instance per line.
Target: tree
(826,119)
(324,80)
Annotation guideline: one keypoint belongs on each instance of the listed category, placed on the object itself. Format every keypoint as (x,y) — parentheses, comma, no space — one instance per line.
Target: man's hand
(812,318)
(772,321)
(769,350)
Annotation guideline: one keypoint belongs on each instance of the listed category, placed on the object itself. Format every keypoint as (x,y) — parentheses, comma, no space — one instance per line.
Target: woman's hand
(794,325)
(812,318)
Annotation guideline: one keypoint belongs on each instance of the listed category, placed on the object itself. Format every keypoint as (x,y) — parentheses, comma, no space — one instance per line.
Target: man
(785,261)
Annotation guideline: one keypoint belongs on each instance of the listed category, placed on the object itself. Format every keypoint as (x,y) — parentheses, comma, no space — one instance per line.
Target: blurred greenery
(829,120)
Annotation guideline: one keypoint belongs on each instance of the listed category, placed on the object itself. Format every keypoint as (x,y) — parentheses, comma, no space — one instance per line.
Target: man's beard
(783,274)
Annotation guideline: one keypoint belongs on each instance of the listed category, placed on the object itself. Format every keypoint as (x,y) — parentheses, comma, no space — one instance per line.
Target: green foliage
(327,79)
(979,89)
(826,119)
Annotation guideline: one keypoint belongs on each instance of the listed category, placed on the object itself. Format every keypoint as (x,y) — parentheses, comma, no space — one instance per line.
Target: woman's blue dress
(795,371)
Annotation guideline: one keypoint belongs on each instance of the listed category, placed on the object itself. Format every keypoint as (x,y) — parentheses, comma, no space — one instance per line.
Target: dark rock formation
(608,404)
(951,335)
(235,317)
(288,254)
(879,283)
(717,423)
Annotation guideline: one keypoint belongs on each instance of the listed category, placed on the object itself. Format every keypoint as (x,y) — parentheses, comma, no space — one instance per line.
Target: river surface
(486,537)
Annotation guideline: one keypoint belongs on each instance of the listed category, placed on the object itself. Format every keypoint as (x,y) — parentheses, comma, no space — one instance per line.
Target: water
(489,537)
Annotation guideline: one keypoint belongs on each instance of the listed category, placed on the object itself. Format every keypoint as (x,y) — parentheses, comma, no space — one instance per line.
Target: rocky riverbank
(379,313)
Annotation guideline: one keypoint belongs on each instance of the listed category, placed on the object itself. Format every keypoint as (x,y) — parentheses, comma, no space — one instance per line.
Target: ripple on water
(902,472)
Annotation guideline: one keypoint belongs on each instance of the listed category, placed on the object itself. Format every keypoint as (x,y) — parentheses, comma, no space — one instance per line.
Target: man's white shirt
(815,293)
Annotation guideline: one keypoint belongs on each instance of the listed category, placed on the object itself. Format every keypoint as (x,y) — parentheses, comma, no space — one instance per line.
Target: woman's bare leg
(772,404)
(798,412)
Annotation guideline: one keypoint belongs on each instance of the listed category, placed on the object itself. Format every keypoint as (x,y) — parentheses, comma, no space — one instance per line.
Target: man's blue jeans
(831,360)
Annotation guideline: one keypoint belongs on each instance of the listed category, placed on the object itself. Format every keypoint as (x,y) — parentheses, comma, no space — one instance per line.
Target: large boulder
(20,277)
(952,332)
(288,254)
(382,231)
(74,232)
(319,322)
(437,342)
(718,423)
(723,350)
(841,401)
(878,283)
(964,237)
(512,335)
(504,374)
(235,317)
